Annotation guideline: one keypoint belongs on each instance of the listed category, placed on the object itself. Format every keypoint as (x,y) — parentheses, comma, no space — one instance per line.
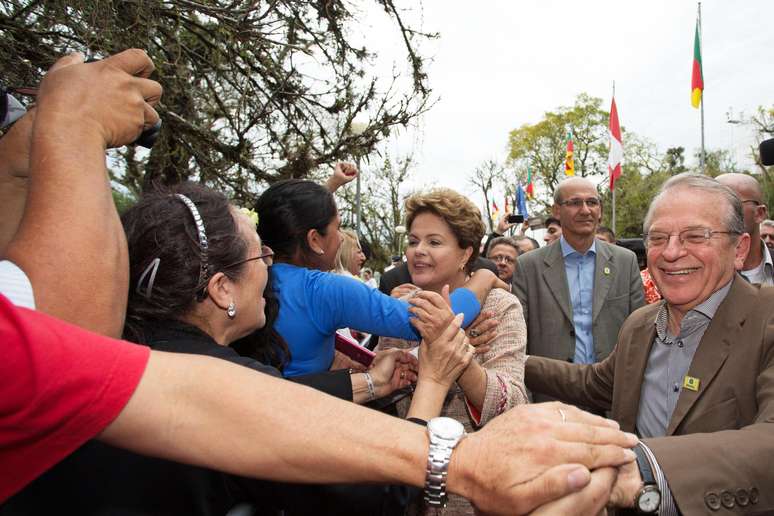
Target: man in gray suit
(577,293)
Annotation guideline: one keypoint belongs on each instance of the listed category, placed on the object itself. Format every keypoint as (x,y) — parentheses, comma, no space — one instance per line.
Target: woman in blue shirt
(298,219)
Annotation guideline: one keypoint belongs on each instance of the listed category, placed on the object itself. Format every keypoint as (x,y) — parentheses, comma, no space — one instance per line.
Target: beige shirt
(504,367)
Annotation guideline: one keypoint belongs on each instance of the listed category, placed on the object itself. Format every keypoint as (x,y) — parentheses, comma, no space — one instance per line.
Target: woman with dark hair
(198,271)
(299,220)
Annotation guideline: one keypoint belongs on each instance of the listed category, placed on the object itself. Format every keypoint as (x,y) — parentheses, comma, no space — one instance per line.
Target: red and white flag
(615,158)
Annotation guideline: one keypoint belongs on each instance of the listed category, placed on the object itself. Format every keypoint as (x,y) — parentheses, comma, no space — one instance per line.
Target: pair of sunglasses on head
(12,110)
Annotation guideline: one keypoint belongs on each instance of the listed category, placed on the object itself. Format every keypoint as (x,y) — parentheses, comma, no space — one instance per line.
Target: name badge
(691,383)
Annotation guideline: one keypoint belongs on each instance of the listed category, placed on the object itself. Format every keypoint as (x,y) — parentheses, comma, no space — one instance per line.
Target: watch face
(649,501)
(446,428)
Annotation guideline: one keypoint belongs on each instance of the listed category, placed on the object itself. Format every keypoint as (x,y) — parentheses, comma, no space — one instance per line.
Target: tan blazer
(718,454)
(540,283)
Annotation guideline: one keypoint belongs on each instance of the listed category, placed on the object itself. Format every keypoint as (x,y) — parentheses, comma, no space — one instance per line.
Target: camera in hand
(515,219)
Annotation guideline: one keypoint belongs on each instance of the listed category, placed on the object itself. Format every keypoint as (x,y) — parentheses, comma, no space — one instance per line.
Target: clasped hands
(568,483)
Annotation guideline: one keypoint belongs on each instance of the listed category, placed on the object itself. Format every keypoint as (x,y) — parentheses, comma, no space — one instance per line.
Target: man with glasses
(503,251)
(694,376)
(577,292)
(759,265)
(767,233)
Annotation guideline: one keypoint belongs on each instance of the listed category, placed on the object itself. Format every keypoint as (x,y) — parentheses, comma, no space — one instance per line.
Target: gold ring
(564,417)
(475,333)
(402,375)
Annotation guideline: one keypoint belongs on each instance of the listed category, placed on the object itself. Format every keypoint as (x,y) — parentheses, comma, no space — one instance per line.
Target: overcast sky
(500,64)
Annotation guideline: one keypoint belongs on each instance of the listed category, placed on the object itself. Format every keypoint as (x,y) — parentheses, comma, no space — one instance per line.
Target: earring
(231,310)
(320,252)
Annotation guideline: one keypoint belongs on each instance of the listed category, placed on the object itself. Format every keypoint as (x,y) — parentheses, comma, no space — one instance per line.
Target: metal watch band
(435,480)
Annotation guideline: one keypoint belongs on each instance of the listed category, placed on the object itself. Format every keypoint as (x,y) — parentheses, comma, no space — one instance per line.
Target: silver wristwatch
(445,433)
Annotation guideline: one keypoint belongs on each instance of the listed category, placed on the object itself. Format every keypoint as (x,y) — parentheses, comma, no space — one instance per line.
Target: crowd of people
(196,357)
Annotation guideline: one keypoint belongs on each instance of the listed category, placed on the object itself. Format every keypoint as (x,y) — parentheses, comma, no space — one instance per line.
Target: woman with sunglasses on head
(299,220)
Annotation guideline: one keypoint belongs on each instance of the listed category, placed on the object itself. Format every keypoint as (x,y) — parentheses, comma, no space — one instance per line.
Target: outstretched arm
(188,400)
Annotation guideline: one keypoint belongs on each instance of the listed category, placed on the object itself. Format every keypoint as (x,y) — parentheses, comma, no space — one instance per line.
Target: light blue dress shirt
(580,280)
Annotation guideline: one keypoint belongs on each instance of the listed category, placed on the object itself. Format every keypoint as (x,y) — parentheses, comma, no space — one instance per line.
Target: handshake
(546,458)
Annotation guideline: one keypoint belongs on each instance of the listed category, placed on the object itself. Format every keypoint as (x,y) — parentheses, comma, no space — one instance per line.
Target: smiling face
(767,234)
(434,255)
(251,283)
(687,275)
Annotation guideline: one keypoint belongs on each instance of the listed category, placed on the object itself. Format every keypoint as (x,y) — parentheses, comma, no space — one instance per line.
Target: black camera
(149,136)
(515,219)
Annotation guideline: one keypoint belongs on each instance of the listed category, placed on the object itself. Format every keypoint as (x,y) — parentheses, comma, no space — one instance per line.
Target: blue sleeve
(464,301)
(342,302)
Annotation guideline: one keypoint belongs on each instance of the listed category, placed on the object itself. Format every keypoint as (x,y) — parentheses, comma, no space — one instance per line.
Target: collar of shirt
(567,249)
(695,318)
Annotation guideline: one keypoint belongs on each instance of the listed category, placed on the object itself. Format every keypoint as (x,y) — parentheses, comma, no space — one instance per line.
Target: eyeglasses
(266,255)
(688,237)
(756,203)
(591,202)
(502,258)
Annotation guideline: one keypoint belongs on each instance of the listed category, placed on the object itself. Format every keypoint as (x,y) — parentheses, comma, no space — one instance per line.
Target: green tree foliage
(253,91)
(543,145)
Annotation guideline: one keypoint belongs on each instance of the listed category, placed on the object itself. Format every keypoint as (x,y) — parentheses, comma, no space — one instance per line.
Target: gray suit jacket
(541,285)
(719,445)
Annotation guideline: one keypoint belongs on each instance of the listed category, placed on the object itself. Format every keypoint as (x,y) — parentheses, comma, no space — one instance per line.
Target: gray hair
(504,240)
(768,223)
(734,220)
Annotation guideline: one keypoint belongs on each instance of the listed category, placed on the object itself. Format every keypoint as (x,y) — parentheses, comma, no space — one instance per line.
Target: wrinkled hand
(393,369)
(509,466)
(432,313)
(404,290)
(443,360)
(482,331)
(113,98)
(343,173)
(627,485)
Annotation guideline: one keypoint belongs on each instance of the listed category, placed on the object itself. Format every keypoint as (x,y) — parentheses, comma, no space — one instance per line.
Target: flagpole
(702,161)
(609,172)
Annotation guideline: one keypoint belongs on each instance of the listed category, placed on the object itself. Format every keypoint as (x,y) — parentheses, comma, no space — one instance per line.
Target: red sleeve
(60,386)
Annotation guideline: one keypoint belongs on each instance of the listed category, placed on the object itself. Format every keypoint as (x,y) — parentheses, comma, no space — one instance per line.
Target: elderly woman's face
(434,255)
(252,282)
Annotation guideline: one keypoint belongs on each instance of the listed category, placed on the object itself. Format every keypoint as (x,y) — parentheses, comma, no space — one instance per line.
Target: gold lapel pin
(606,270)
(691,383)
